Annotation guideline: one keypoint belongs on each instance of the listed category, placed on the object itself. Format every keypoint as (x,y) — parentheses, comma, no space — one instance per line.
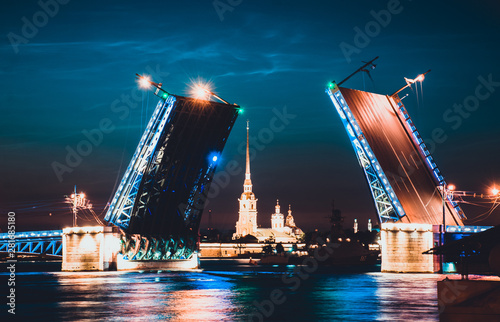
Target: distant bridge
(46,244)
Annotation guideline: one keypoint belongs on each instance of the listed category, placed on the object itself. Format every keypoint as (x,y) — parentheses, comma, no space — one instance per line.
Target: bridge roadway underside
(399,158)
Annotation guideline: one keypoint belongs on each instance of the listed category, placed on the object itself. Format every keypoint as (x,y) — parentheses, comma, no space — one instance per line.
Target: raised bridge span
(403,177)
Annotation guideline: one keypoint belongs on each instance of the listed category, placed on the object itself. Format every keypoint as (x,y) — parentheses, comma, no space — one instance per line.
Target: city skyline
(73,81)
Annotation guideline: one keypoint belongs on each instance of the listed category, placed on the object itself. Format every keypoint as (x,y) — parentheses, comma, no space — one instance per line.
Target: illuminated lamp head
(200,91)
(144,82)
(420,78)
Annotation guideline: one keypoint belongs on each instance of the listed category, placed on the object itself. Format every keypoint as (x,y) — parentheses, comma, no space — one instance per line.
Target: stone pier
(403,245)
(89,248)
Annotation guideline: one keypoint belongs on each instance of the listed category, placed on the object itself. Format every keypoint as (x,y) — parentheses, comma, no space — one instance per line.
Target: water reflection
(407,296)
(227,294)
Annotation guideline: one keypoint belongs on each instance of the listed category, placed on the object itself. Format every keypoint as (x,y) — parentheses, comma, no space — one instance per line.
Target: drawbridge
(159,202)
(404,180)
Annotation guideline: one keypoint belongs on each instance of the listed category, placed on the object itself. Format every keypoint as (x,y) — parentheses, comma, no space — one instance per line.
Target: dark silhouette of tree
(268,249)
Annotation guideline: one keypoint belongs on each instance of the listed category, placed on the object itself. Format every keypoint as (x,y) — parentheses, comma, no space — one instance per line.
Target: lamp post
(78,200)
(409,82)
(146,82)
(202,91)
(444,194)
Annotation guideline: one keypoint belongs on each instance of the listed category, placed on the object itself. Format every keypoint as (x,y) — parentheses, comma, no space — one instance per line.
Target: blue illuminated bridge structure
(159,202)
(45,244)
(403,178)
(160,199)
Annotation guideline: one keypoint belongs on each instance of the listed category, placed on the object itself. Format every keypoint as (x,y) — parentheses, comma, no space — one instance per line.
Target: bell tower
(277,219)
(247,220)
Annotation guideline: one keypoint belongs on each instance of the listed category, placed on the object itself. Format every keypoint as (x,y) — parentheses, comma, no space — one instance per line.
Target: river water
(224,291)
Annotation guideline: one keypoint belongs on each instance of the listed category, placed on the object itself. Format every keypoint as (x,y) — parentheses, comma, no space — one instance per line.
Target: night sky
(65,72)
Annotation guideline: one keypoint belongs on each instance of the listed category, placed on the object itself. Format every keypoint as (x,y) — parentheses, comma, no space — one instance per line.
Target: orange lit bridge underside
(399,158)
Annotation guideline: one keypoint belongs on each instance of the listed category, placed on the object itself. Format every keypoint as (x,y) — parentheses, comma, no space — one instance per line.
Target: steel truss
(386,202)
(424,152)
(122,205)
(44,244)
(159,202)
(137,247)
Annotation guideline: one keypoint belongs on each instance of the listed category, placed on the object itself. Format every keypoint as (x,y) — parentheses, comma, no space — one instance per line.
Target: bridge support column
(403,245)
(89,248)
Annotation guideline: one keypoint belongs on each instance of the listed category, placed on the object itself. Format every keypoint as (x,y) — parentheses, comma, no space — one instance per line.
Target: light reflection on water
(225,294)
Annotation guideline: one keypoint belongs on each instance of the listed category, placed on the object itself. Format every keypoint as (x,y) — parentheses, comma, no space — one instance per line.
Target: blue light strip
(197,191)
(467,229)
(431,165)
(45,242)
(123,202)
(33,234)
(387,203)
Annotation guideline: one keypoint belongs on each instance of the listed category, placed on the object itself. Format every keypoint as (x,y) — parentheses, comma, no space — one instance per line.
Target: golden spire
(247,186)
(247,173)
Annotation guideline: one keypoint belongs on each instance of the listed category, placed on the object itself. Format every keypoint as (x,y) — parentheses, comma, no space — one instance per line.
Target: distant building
(277,219)
(369,225)
(280,231)
(355,226)
(290,227)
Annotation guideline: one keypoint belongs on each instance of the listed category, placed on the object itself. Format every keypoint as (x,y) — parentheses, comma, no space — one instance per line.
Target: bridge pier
(98,249)
(90,248)
(403,245)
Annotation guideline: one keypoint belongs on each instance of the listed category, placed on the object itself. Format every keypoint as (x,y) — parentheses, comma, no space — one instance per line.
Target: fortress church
(284,231)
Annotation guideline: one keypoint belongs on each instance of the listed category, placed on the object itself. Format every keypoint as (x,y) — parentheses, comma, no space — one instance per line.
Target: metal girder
(424,152)
(42,243)
(122,205)
(386,202)
(137,247)
(381,198)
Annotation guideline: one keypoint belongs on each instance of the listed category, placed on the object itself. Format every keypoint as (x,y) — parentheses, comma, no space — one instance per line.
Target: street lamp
(409,81)
(445,190)
(494,191)
(78,201)
(202,91)
(146,82)
(444,193)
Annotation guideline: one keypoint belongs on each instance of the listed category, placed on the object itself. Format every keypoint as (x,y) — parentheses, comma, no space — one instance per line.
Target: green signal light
(240,111)
(331,85)
(165,95)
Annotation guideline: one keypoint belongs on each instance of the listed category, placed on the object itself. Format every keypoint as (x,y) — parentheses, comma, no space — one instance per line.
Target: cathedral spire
(247,173)
(247,186)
